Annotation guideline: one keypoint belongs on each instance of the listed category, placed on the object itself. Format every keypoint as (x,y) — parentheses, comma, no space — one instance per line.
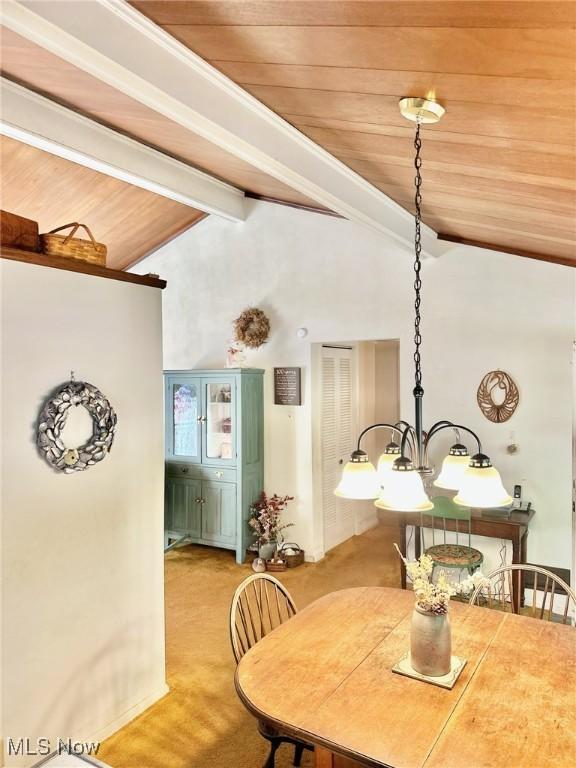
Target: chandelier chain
(417,262)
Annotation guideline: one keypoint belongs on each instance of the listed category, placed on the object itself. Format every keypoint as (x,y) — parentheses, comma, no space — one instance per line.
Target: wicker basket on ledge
(72,247)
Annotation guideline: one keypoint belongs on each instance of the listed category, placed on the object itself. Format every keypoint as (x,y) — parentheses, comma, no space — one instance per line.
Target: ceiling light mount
(420,110)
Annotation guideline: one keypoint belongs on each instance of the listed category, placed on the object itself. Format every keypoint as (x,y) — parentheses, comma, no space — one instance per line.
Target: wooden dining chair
(504,589)
(260,604)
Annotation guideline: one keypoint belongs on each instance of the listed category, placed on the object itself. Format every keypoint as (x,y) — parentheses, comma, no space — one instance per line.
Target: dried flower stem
(434,597)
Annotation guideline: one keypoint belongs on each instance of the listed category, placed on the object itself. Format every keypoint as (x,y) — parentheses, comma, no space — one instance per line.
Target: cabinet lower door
(219,513)
(183,508)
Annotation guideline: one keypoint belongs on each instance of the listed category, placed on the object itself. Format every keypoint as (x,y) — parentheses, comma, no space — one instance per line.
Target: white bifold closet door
(337,438)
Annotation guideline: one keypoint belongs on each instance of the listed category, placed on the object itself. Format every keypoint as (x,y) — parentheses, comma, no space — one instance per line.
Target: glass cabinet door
(219,435)
(186,420)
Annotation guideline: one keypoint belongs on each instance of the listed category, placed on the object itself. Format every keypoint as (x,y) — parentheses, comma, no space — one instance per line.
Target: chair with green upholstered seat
(445,517)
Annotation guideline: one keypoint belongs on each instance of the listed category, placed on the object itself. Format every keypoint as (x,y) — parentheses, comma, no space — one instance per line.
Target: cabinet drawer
(180,469)
(199,472)
(218,474)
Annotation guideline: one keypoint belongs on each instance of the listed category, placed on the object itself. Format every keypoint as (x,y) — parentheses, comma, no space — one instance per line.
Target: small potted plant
(430,635)
(266,522)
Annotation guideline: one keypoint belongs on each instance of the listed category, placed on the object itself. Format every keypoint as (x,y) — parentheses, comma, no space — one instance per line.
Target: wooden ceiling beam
(42,123)
(41,71)
(115,43)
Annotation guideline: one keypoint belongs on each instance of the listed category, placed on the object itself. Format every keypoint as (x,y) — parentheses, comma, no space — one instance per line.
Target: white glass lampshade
(453,468)
(386,461)
(481,486)
(404,490)
(359,479)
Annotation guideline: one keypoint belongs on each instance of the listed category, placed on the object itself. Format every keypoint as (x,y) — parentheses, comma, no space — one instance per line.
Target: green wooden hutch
(214,455)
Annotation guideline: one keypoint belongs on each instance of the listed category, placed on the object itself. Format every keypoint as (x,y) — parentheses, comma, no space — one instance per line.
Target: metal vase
(266,551)
(430,643)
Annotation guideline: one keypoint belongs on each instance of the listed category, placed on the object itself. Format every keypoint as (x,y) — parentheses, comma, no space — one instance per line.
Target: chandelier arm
(377,426)
(409,434)
(412,436)
(426,458)
(438,424)
(455,426)
(433,429)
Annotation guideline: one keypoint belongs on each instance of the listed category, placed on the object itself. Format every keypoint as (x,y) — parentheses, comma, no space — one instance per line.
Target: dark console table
(513,528)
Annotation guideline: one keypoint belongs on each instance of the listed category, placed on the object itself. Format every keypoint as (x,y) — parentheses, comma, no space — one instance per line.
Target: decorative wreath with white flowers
(53,419)
(252,328)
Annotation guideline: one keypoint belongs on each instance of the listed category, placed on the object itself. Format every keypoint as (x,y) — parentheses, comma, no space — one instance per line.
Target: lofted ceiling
(130,221)
(498,169)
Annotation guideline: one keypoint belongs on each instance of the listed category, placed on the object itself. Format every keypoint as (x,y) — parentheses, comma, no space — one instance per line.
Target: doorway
(357,385)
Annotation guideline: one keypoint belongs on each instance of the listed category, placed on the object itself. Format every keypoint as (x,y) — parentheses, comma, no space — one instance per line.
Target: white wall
(387,383)
(481,310)
(82,578)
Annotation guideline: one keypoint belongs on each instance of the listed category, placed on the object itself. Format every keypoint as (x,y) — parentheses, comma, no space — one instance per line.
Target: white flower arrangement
(435,596)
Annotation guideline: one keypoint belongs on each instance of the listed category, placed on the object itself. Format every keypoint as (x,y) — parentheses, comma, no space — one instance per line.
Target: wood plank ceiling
(499,168)
(130,221)
(41,71)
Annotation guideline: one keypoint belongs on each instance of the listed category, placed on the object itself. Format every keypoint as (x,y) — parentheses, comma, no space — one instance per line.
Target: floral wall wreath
(53,419)
(252,328)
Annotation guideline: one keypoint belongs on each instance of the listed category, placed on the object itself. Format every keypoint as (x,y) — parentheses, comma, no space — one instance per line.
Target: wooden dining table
(325,677)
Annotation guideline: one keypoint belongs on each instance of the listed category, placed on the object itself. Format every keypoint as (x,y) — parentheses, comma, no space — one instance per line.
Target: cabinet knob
(198,501)
(219,474)
(185,470)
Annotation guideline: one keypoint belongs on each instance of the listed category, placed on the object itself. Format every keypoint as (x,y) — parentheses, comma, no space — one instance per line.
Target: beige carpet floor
(201,722)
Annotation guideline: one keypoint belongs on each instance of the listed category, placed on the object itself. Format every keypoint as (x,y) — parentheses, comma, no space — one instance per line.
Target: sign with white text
(287,386)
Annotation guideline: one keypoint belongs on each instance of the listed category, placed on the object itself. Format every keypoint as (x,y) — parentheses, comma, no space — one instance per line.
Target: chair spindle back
(260,604)
(511,581)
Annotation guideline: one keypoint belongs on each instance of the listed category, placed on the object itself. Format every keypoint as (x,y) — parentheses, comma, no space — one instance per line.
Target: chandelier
(397,482)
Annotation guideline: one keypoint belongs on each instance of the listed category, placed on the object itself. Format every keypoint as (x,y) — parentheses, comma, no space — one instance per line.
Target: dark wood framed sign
(287,386)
